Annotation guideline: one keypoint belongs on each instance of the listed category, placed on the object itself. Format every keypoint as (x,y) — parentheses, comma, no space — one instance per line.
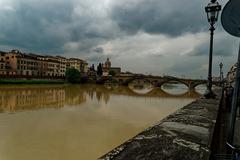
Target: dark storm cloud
(35,26)
(224,45)
(170,17)
(49,25)
(147,30)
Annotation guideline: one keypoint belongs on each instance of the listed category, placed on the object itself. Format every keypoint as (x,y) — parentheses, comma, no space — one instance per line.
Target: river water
(78,122)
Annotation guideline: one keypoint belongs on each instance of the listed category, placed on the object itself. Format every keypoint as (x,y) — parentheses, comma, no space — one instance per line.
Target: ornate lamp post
(212,10)
(221,72)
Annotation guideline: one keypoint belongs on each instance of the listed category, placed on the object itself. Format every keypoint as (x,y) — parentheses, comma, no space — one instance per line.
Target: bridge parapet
(187,134)
(159,81)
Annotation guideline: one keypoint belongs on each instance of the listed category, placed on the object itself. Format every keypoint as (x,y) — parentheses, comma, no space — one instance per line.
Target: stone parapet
(187,134)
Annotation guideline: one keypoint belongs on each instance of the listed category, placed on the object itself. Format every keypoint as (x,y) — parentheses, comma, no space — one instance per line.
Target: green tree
(73,75)
(112,73)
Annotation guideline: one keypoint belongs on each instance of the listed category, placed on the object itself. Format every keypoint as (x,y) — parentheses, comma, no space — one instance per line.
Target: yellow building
(2,63)
(62,66)
(17,64)
(84,67)
(53,66)
(79,64)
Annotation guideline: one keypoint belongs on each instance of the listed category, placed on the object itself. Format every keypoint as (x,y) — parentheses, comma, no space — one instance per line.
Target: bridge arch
(187,84)
(159,81)
(128,81)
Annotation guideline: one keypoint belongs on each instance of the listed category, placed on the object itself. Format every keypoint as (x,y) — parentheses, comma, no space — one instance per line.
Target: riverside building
(21,65)
(79,64)
(2,63)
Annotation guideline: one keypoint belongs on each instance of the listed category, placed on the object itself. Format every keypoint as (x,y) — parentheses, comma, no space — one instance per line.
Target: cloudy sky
(161,37)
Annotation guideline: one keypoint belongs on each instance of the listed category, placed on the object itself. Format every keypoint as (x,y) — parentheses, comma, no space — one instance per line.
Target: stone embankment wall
(187,134)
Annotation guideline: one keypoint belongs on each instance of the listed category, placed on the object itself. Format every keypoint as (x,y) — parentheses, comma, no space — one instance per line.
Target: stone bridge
(158,81)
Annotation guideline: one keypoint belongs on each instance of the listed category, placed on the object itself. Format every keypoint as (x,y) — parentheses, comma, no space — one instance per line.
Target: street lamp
(221,72)
(212,10)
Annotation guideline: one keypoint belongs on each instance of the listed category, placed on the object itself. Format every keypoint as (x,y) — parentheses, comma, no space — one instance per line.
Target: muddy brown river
(78,122)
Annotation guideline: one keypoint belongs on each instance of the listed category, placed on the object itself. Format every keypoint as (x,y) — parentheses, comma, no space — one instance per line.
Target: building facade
(62,66)
(107,67)
(15,63)
(79,64)
(231,75)
(18,63)
(2,63)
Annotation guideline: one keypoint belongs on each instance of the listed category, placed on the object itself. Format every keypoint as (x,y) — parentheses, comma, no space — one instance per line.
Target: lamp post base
(209,94)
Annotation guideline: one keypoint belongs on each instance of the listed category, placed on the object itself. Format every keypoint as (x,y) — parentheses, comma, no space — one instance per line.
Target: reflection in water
(201,88)
(27,98)
(76,122)
(140,86)
(175,88)
(34,97)
(142,91)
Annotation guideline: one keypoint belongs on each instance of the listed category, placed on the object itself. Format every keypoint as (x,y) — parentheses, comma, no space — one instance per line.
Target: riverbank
(52,81)
(32,81)
(187,134)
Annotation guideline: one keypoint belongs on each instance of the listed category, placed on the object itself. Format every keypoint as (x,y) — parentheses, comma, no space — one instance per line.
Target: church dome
(108,63)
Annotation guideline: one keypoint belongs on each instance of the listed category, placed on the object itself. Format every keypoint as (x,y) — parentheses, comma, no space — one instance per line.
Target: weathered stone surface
(185,135)
(237,131)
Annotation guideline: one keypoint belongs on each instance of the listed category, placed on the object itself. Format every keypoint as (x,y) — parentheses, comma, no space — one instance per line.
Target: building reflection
(24,98)
(15,98)
(74,95)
